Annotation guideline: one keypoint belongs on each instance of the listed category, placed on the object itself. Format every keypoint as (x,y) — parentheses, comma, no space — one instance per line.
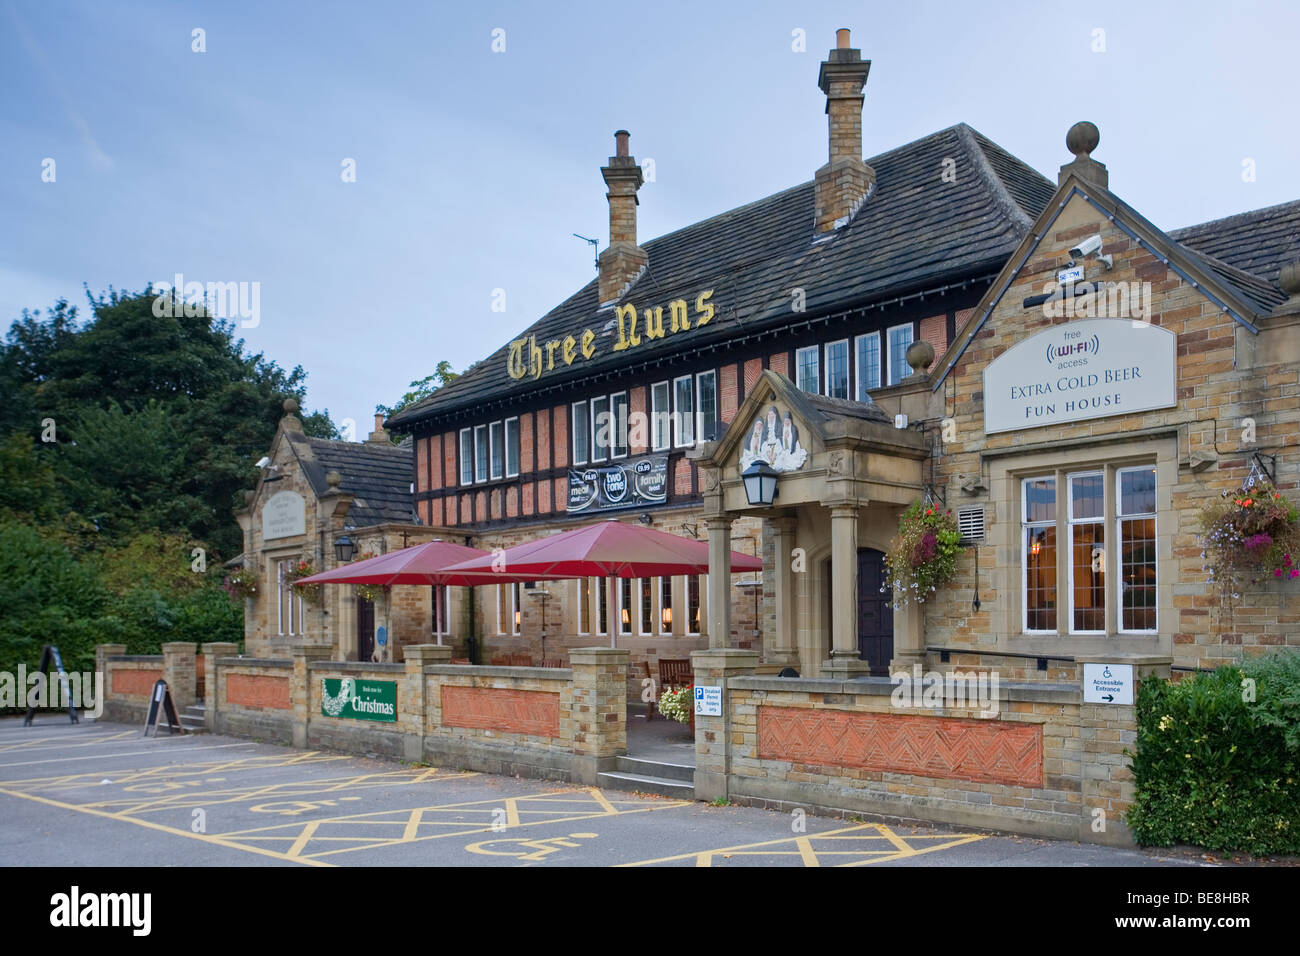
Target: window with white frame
(1128,494)
(441,611)
(496,441)
(661,417)
(1087,553)
(1135,497)
(512,447)
(618,424)
(584,605)
(693,603)
(900,337)
(480,453)
(684,398)
(807,373)
(581,433)
(645,602)
(625,605)
(289,602)
(602,604)
(466,456)
(706,404)
(665,605)
(1038,539)
(601,430)
(868,365)
(837,369)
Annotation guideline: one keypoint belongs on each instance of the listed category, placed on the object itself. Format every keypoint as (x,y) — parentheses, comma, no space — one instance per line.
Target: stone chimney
(623,260)
(844,182)
(378,436)
(1081,140)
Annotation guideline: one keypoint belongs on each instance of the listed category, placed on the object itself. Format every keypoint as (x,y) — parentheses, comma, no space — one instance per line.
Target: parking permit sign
(1108,684)
(708,701)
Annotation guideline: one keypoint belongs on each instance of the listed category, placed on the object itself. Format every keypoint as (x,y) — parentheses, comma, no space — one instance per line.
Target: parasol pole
(611,609)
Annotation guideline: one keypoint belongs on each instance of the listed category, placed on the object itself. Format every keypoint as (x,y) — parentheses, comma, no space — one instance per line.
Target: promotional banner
(639,481)
(359,699)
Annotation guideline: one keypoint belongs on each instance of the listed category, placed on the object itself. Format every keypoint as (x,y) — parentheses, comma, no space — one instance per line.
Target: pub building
(938,322)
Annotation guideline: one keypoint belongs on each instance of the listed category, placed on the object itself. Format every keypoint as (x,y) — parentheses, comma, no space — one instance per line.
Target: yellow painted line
(893,838)
(922,851)
(704,859)
(602,800)
(150,825)
(303,839)
(82,740)
(512,812)
(806,851)
(133,753)
(746,846)
(412,825)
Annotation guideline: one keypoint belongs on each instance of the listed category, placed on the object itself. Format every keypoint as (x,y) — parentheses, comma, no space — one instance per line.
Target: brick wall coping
(356,667)
(151,658)
(1044,691)
(255,662)
(473,670)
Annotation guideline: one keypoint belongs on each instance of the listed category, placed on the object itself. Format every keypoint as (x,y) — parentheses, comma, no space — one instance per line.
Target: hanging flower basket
(924,554)
(369,592)
(304,569)
(678,704)
(241,584)
(1248,538)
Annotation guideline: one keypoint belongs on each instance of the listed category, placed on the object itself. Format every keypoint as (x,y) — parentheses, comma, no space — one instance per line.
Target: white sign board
(284,515)
(1089,368)
(1108,684)
(708,701)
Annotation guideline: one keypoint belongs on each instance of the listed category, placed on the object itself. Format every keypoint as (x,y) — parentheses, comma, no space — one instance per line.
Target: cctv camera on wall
(1087,247)
(263,462)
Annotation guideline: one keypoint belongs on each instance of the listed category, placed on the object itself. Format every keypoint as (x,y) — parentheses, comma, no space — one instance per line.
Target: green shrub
(1214,768)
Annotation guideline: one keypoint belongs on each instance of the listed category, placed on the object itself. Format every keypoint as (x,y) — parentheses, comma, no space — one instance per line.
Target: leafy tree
(422,388)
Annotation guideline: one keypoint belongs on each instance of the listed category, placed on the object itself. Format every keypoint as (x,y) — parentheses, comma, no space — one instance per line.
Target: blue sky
(473,167)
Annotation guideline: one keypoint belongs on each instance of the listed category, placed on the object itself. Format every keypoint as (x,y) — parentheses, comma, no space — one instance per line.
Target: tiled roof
(378,476)
(1257,242)
(918,230)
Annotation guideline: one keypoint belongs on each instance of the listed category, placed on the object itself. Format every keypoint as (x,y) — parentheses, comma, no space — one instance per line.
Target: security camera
(1087,247)
(263,462)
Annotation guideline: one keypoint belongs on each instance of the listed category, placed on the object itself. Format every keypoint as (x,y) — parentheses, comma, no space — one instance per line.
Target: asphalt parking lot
(97,794)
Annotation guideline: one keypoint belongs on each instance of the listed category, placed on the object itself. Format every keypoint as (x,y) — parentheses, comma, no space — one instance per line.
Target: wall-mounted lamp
(344,548)
(760,483)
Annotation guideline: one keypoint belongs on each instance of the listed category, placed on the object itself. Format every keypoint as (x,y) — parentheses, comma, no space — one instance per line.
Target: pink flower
(1295,572)
(1277,573)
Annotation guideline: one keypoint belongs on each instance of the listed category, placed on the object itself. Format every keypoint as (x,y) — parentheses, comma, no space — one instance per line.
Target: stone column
(214,693)
(599,717)
(713,734)
(415,657)
(719,581)
(782,652)
(102,653)
(845,661)
(179,660)
(300,688)
(909,636)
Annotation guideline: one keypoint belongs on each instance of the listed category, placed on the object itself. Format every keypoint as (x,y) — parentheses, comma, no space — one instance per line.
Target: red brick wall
(780,362)
(436,514)
(637,406)
(526,428)
(449,461)
(543,497)
(543,440)
(753,369)
(728,393)
(532,712)
(512,502)
(982,751)
(935,331)
(134,683)
(560,441)
(682,477)
(561,493)
(258,690)
(422,464)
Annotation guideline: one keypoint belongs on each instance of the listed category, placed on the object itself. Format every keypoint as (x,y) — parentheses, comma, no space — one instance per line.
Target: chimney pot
(620,140)
(379,422)
(842,38)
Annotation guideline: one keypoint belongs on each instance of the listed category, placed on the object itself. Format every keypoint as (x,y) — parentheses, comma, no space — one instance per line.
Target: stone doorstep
(643,783)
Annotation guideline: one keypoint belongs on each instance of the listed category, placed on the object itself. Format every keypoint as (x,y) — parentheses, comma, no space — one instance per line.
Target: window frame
(599,453)
(826,361)
(889,357)
(480,432)
(467,456)
(1120,518)
(581,449)
(619,430)
(1025,525)
(661,415)
(712,375)
(1071,523)
(509,444)
(682,419)
(496,464)
(798,368)
(858,388)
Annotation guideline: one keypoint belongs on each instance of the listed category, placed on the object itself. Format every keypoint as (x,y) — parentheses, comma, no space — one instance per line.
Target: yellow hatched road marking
(806,851)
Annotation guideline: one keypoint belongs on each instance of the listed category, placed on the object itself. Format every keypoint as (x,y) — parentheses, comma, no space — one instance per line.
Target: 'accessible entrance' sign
(1091,368)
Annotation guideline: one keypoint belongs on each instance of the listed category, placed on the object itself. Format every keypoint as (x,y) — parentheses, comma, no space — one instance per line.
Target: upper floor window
(900,337)
(489,452)
(581,433)
(807,371)
(707,404)
(868,370)
(600,430)
(683,394)
(837,369)
(480,453)
(497,443)
(661,417)
(618,424)
(466,456)
(512,447)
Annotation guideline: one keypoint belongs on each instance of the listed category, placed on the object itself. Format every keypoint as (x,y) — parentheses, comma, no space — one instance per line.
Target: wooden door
(365,629)
(875,613)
